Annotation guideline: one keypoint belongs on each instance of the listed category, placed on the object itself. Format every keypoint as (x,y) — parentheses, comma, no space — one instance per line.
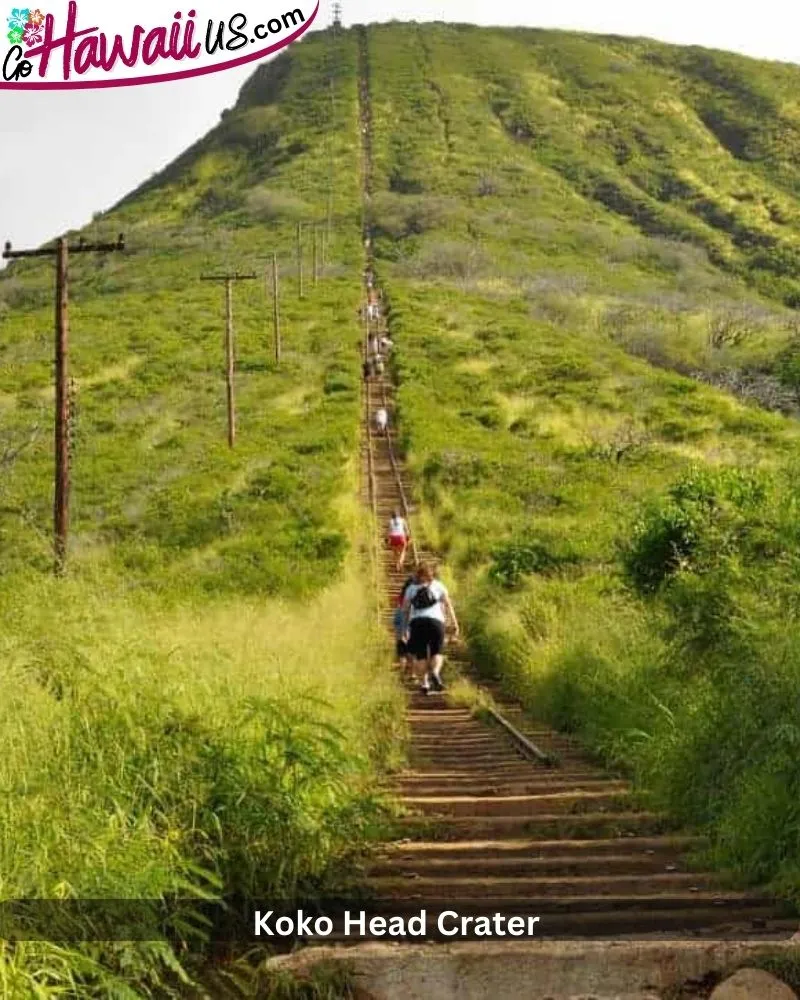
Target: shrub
(732,326)
(255,129)
(704,517)
(515,560)
(663,541)
(626,442)
(218,199)
(449,260)
(769,391)
(269,205)
(400,216)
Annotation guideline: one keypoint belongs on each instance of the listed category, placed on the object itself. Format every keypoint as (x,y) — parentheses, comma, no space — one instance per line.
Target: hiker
(377,364)
(399,537)
(401,629)
(381,420)
(366,368)
(426,605)
(373,345)
(386,345)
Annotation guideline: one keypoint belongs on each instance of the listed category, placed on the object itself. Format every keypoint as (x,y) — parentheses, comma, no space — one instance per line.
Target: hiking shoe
(424,689)
(437,685)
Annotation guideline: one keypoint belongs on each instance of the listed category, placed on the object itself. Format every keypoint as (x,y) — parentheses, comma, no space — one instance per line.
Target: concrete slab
(547,970)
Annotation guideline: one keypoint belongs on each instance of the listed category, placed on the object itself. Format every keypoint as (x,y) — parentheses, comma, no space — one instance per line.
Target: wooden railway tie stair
(490,829)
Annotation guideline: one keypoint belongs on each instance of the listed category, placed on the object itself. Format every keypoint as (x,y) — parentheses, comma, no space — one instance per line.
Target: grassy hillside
(156,491)
(167,726)
(589,245)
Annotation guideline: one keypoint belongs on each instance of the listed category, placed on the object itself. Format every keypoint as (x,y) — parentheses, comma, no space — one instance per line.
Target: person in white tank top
(427,606)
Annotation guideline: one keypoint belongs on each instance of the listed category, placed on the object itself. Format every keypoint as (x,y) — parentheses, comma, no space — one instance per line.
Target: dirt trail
(490,830)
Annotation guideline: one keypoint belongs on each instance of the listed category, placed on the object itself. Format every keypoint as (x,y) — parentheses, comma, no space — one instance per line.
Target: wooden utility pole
(230,347)
(300,257)
(329,221)
(61,252)
(62,491)
(276,319)
(230,362)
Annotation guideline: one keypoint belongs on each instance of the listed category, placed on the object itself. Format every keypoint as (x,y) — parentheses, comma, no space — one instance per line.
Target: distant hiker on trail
(425,605)
(373,312)
(381,420)
(386,345)
(401,629)
(373,345)
(398,537)
(366,368)
(378,365)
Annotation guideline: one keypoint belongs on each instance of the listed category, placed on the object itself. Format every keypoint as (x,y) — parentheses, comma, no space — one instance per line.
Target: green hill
(167,726)
(588,246)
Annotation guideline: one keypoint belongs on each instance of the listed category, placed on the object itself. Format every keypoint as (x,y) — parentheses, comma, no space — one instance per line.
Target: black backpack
(423,599)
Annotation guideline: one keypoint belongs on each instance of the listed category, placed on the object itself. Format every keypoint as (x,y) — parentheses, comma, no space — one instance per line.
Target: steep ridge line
(489,830)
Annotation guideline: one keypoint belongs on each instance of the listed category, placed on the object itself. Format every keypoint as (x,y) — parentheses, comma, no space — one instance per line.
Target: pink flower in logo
(33,34)
(36,17)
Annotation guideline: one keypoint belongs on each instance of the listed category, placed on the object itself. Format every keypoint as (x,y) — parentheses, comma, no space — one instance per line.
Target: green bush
(515,560)
(399,216)
(269,205)
(703,518)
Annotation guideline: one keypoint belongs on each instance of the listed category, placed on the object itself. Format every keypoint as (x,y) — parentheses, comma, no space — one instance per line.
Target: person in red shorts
(398,537)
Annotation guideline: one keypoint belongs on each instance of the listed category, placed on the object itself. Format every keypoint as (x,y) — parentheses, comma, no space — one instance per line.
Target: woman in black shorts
(426,605)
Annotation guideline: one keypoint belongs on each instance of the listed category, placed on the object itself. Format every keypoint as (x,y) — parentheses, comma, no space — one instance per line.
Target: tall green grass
(208,748)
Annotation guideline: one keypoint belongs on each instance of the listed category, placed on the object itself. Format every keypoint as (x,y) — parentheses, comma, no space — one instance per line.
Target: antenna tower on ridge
(337,15)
